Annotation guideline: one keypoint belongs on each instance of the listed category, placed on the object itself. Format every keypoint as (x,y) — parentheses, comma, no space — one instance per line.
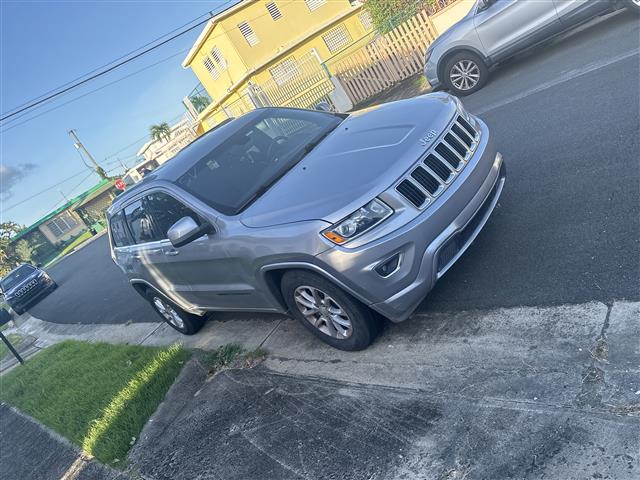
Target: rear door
(507,26)
(575,11)
(147,254)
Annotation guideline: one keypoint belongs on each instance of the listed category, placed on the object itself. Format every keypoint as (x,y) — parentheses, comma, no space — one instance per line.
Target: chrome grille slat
(450,153)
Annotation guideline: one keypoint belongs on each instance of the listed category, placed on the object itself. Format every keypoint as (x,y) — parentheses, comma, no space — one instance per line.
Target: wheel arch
(272,275)
(454,51)
(142,287)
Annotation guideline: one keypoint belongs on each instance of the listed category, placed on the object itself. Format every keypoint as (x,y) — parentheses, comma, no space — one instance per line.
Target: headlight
(358,222)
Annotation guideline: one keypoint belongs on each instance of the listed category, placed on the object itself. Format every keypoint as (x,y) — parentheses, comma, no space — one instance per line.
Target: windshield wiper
(292,163)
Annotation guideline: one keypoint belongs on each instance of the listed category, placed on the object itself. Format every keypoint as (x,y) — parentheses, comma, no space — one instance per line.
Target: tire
(465,66)
(354,328)
(633,6)
(184,322)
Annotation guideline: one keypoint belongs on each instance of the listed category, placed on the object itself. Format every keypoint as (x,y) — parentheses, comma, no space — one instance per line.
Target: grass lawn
(15,340)
(97,395)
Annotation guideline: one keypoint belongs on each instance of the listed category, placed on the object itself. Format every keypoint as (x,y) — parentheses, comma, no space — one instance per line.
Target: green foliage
(8,256)
(388,14)
(23,251)
(200,102)
(161,131)
(97,395)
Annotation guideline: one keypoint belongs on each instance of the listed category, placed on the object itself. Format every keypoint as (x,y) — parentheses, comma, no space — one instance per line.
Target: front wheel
(184,322)
(328,312)
(465,73)
(633,5)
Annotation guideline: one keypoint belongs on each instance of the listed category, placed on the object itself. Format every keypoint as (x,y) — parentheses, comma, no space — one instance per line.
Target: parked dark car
(26,285)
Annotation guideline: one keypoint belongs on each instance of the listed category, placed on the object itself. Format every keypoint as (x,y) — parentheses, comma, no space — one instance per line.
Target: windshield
(260,152)
(16,277)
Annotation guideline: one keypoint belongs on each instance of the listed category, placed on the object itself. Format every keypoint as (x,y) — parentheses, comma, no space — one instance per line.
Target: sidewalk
(28,450)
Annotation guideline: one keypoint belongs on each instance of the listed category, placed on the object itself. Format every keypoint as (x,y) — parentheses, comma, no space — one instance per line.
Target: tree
(8,256)
(199,102)
(23,251)
(388,14)
(161,131)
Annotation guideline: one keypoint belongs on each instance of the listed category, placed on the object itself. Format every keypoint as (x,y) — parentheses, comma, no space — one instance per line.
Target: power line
(57,185)
(111,62)
(101,73)
(33,103)
(14,125)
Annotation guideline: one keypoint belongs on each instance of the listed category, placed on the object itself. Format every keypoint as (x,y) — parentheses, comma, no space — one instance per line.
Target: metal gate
(300,83)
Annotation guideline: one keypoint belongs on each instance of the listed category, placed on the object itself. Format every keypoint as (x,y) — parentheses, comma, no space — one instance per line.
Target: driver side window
(164,210)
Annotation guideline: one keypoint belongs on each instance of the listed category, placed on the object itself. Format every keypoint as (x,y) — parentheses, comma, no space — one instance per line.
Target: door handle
(171,253)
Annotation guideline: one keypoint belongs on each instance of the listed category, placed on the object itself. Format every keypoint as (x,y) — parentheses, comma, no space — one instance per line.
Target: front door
(507,26)
(201,270)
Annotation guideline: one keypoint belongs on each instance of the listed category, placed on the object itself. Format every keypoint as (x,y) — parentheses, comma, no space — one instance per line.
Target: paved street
(566,118)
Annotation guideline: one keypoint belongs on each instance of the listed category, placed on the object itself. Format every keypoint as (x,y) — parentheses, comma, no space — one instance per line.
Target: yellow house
(270,52)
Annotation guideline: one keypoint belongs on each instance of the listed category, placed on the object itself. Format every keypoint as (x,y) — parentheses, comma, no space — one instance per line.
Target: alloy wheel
(323,312)
(465,75)
(168,312)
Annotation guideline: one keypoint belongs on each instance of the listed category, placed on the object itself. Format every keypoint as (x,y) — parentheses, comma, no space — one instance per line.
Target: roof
(75,202)
(208,28)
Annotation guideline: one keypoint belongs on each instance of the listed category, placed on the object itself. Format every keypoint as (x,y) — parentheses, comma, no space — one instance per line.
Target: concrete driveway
(519,393)
(567,229)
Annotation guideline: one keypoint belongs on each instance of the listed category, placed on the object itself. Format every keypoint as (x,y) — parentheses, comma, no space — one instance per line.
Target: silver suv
(495,30)
(331,218)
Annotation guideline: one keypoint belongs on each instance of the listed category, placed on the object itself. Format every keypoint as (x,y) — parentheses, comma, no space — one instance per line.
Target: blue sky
(46,44)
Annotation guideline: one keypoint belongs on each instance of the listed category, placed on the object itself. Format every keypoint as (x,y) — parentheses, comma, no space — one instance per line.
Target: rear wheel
(633,5)
(465,73)
(184,322)
(328,312)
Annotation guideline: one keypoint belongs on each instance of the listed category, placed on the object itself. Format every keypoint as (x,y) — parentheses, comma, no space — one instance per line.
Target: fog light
(387,268)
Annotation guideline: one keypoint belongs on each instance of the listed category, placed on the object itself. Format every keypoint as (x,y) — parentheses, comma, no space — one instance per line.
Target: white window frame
(337,38)
(314,4)
(62,223)
(211,67)
(274,11)
(248,33)
(217,56)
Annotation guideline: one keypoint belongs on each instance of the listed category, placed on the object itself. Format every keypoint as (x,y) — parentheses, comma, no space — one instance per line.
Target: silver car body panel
(505,28)
(365,157)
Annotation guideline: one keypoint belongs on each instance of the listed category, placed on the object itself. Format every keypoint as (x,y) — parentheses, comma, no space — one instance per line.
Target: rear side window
(119,234)
(164,210)
(140,223)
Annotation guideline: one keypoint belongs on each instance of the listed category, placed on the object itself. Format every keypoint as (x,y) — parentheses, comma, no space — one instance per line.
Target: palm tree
(200,102)
(160,132)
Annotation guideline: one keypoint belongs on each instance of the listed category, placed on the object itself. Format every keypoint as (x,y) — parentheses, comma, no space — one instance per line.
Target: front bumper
(431,73)
(428,245)
(44,288)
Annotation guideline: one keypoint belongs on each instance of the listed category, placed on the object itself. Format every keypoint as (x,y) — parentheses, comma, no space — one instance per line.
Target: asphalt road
(567,230)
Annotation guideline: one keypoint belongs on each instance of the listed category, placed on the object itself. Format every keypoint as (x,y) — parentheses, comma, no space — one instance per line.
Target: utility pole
(124,167)
(78,144)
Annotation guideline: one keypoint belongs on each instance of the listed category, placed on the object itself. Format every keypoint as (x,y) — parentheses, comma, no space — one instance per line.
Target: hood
(364,156)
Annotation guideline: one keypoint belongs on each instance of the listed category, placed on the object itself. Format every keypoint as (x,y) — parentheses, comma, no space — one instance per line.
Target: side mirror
(323,106)
(484,4)
(186,230)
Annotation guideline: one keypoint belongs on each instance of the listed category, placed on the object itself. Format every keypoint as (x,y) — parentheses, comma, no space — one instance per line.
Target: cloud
(10,175)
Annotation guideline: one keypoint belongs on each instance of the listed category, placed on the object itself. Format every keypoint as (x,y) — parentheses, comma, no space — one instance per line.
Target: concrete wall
(450,15)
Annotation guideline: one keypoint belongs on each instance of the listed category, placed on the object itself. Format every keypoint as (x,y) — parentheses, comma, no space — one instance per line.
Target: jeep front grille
(438,168)
(26,288)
